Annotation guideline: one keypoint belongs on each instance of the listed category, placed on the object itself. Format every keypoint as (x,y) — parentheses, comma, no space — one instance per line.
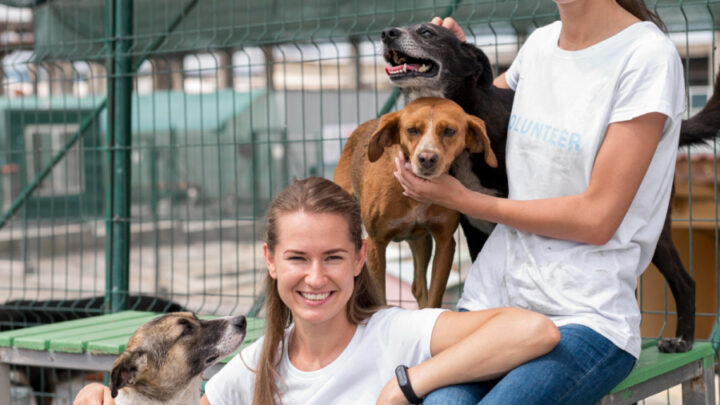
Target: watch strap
(405,387)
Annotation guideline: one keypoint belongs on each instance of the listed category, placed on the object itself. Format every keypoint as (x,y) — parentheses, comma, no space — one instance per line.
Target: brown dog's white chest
(418,220)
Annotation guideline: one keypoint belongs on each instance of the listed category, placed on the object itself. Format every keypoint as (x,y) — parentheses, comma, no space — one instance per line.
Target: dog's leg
(442,262)
(421,250)
(667,260)
(376,263)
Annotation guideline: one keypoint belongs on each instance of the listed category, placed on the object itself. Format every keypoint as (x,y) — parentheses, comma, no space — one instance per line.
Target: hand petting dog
(440,190)
(450,24)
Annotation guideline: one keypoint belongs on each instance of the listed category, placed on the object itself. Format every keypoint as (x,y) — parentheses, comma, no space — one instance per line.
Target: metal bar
(5,397)
(700,390)
(654,385)
(109,142)
(120,68)
(74,361)
(122,118)
(156,44)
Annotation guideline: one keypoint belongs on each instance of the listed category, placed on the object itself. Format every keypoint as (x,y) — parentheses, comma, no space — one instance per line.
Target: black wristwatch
(404,383)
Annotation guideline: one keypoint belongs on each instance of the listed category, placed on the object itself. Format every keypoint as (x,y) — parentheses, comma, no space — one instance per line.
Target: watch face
(401,376)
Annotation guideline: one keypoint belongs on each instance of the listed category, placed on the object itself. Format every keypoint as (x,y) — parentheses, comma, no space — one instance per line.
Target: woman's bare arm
(590,217)
(475,346)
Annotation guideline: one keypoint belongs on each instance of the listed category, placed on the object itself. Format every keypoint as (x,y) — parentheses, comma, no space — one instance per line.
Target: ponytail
(640,10)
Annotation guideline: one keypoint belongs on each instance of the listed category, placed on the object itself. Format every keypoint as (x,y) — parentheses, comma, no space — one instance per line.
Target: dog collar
(404,383)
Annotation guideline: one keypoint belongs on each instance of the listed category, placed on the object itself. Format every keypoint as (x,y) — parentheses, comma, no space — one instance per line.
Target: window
(42,143)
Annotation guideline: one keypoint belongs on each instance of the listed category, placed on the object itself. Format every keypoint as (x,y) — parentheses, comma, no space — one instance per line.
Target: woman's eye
(296,258)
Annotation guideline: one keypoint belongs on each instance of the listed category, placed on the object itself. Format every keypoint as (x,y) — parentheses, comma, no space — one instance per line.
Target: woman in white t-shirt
(591,149)
(327,338)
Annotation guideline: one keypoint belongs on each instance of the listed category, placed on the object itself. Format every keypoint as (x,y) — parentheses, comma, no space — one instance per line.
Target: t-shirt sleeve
(652,81)
(410,332)
(514,72)
(235,382)
(512,75)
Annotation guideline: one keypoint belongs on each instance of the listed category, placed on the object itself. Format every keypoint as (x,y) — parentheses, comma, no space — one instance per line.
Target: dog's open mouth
(402,66)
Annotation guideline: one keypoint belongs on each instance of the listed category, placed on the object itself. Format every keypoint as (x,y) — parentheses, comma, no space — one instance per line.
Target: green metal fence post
(109,142)
(121,112)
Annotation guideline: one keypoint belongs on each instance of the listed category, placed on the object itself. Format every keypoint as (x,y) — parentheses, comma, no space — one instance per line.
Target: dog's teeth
(405,68)
(423,68)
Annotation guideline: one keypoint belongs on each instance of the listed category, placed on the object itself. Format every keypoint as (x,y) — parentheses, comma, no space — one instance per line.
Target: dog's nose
(427,160)
(388,34)
(240,323)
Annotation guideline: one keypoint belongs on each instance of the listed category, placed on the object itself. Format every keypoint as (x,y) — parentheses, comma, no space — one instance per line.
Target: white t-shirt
(391,337)
(563,104)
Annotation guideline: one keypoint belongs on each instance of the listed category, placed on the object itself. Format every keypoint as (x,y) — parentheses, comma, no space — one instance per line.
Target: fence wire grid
(141,142)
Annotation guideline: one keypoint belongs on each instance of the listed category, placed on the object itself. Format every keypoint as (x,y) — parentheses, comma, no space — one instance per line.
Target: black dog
(429,60)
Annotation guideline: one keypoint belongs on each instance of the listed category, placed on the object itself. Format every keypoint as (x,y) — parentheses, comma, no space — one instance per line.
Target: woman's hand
(450,24)
(391,394)
(438,190)
(94,394)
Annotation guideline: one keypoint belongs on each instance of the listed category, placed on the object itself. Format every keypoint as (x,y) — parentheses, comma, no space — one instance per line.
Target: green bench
(94,343)
(655,372)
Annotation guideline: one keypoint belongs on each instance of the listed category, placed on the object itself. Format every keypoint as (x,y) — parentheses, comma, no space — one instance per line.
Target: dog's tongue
(407,67)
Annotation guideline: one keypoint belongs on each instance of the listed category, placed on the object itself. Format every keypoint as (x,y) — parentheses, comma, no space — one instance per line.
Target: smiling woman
(337,344)
(328,339)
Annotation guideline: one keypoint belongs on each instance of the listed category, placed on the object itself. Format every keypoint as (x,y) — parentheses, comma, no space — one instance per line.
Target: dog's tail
(704,125)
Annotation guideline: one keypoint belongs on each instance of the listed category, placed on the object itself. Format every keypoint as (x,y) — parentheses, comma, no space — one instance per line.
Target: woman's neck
(312,347)
(587,22)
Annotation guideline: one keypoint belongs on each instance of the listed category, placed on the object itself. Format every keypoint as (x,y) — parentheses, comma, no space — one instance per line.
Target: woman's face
(315,265)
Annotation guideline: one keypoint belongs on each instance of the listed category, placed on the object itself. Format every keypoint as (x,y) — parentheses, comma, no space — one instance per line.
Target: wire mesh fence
(141,141)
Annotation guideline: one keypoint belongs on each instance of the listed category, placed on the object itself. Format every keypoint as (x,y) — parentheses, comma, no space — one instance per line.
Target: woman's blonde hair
(320,196)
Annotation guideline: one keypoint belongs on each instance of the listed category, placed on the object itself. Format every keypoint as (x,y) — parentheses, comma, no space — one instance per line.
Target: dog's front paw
(674,345)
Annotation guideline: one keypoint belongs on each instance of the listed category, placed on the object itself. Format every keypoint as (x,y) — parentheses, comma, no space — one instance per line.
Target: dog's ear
(477,140)
(485,73)
(386,135)
(125,370)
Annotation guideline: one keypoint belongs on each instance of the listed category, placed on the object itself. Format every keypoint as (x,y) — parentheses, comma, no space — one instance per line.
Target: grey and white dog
(165,358)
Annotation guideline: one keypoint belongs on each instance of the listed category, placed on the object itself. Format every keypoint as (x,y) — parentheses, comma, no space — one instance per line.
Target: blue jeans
(581,369)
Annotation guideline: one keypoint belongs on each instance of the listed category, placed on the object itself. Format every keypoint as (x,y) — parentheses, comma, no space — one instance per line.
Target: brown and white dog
(165,358)
(433,134)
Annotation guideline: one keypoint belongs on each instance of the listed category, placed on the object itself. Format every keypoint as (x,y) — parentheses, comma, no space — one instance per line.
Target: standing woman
(591,149)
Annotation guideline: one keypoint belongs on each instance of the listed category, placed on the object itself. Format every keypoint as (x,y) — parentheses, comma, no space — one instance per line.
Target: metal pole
(121,151)
(109,143)
(5,386)
(154,211)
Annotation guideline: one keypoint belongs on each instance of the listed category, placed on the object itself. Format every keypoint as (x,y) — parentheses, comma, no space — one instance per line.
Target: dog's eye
(412,131)
(188,329)
(426,32)
(449,132)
